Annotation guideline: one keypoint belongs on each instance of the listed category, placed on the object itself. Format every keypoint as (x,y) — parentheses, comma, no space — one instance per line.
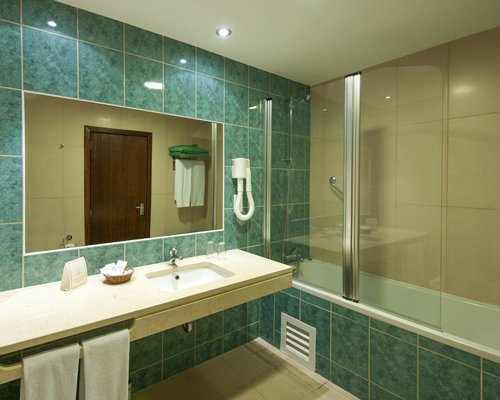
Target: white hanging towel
(198,184)
(182,188)
(51,375)
(104,367)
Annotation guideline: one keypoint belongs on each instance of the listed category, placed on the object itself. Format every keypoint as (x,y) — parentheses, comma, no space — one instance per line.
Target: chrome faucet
(294,259)
(173,257)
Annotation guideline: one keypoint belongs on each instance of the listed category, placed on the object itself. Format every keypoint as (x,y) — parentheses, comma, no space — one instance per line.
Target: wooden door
(117,182)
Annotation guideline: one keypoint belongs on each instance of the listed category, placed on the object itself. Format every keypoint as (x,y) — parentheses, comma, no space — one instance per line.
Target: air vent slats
(298,340)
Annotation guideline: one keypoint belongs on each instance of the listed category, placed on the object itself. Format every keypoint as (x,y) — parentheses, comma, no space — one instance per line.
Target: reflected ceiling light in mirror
(52,24)
(154,85)
(252,107)
(223,32)
(388,97)
(183,61)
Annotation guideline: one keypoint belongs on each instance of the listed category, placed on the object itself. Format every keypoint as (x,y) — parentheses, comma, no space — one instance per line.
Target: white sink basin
(180,278)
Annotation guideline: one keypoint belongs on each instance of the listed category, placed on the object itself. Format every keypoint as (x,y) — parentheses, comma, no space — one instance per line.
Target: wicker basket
(116,279)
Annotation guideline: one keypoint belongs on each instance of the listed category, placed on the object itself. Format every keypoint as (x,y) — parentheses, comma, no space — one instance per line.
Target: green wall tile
(184,244)
(11,129)
(236,104)
(234,339)
(138,71)
(145,351)
(235,144)
(209,98)
(292,292)
(37,13)
(146,377)
(207,351)
(267,318)
(179,54)
(286,304)
(10,10)
(444,379)
(314,300)
(11,198)
(300,119)
(10,390)
(320,319)
(101,74)
(491,367)
(278,223)
(209,63)
(279,186)
(49,63)
(451,352)
(253,331)
(235,232)
(257,186)
(10,48)
(350,345)
(258,79)
(255,226)
(347,313)
(143,43)
(98,257)
(279,149)
(178,363)
(45,268)
(393,365)
(256,100)
(201,240)
(256,147)
(296,90)
(278,85)
(323,367)
(235,318)
(177,340)
(11,247)
(350,382)
(236,72)
(180,91)
(253,309)
(392,330)
(144,252)
(209,328)
(377,393)
(100,30)
(280,117)
(491,387)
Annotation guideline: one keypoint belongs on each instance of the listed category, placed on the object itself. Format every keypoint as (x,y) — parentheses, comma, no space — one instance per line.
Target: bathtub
(466,324)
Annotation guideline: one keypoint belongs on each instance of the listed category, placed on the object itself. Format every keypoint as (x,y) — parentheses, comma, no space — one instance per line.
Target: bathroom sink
(189,276)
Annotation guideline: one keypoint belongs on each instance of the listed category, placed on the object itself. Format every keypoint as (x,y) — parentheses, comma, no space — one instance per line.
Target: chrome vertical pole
(215,174)
(268,137)
(350,243)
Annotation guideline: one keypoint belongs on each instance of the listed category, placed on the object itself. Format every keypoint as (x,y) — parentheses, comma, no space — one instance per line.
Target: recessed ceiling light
(52,24)
(183,61)
(388,97)
(223,32)
(154,85)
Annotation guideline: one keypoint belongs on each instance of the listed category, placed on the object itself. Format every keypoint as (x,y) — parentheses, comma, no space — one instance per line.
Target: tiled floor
(256,371)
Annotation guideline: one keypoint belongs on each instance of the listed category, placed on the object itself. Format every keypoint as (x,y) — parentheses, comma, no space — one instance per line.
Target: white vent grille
(298,340)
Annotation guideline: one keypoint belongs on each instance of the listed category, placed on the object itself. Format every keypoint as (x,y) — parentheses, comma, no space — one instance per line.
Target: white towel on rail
(182,189)
(197,184)
(104,367)
(51,375)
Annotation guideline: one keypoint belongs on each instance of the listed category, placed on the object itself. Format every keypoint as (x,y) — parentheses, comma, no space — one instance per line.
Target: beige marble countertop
(37,314)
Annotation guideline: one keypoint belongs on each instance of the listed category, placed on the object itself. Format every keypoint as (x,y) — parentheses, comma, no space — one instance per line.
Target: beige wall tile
(74,221)
(107,117)
(421,86)
(44,224)
(44,122)
(75,116)
(474,77)
(44,166)
(73,175)
(473,266)
(419,163)
(474,162)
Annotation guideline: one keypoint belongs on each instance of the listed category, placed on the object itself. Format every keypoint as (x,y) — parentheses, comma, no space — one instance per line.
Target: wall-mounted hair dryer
(241,170)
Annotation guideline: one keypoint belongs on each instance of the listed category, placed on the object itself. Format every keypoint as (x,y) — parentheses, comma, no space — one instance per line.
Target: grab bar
(336,189)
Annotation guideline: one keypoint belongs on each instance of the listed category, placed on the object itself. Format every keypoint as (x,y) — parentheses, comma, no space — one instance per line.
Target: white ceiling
(310,41)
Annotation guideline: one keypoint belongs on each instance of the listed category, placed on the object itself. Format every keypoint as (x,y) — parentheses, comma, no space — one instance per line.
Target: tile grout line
(481,379)
(418,367)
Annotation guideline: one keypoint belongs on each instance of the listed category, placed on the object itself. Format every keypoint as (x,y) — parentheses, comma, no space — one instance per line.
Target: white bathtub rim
(442,337)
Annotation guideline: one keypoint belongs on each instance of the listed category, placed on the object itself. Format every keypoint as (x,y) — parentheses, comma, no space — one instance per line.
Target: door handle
(140,207)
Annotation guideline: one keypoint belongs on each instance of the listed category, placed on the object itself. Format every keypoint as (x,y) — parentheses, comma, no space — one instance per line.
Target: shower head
(292,105)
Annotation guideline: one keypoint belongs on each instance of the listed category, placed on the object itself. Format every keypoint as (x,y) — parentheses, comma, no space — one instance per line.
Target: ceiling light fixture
(183,61)
(154,85)
(52,24)
(223,32)
(388,97)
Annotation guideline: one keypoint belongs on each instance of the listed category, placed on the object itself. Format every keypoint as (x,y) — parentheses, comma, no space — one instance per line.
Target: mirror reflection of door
(117,185)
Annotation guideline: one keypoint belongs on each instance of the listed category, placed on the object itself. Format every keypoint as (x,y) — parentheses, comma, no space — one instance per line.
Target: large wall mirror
(98,174)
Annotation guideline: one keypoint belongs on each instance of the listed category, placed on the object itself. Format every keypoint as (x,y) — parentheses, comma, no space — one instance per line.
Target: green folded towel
(187,151)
